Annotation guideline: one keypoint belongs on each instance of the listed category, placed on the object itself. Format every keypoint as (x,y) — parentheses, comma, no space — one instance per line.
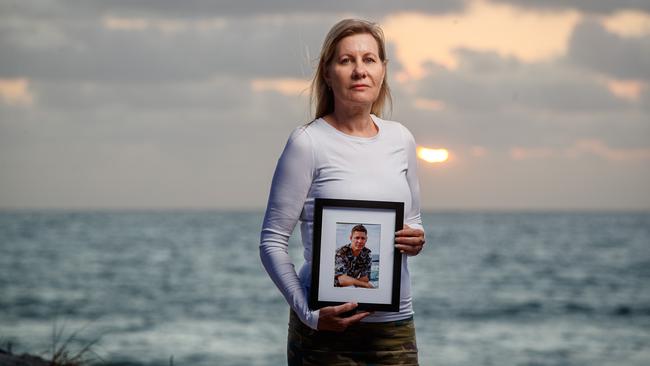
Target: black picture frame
(331,218)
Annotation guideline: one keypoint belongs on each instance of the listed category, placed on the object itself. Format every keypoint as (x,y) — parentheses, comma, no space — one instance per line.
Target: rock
(7,359)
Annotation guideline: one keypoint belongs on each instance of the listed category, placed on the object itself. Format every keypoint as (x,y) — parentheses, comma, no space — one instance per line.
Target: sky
(116,104)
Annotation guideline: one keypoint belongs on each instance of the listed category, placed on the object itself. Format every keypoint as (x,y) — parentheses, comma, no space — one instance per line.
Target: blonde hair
(321,95)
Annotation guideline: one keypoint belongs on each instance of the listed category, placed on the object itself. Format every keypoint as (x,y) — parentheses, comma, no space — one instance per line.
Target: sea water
(490,288)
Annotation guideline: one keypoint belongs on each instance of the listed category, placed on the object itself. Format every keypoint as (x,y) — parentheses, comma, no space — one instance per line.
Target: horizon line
(109,209)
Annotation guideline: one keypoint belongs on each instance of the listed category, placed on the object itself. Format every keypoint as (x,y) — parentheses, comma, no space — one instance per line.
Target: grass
(6,345)
(61,351)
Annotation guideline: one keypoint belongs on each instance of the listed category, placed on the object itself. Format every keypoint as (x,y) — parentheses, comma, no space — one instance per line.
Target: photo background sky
(542,104)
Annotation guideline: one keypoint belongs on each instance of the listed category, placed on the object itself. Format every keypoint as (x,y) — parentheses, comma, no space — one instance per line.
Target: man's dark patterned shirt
(347,264)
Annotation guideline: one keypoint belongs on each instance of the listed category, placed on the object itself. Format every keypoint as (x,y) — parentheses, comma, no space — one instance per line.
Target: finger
(409,232)
(405,227)
(355,318)
(410,240)
(344,307)
(404,248)
(330,311)
(407,239)
(408,249)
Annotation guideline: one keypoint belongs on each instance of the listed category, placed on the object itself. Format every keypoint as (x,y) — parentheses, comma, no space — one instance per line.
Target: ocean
(490,288)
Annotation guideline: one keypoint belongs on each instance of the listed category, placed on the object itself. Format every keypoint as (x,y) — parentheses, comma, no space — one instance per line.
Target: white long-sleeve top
(320,161)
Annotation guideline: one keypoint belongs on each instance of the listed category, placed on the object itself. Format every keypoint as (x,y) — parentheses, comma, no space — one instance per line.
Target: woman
(347,152)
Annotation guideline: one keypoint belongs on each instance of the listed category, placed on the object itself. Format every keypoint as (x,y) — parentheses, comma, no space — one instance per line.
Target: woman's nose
(359,70)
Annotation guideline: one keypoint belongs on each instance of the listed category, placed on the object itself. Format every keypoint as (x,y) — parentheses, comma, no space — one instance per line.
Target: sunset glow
(429,104)
(432,155)
(628,23)
(15,92)
(529,105)
(627,89)
(281,85)
(527,35)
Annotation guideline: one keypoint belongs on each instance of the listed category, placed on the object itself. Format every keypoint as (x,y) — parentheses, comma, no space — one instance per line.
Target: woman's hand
(409,241)
(329,318)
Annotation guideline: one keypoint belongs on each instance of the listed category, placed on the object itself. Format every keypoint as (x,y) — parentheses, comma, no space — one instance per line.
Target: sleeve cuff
(414,225)
(311,319)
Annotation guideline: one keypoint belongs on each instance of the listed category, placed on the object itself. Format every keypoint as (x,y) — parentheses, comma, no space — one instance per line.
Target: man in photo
(353,261)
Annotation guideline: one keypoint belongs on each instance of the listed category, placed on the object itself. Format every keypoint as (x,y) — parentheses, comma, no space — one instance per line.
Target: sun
(432,155)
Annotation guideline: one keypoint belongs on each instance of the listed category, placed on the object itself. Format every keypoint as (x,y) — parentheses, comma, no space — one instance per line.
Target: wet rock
(7,359)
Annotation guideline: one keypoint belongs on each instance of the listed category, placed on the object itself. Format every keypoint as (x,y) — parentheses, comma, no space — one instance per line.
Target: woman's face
(356,72)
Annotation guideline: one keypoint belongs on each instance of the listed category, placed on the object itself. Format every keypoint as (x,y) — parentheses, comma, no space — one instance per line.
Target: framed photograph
(354,255)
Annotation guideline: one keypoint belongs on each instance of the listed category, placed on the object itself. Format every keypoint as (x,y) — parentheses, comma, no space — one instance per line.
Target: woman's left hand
(409,241)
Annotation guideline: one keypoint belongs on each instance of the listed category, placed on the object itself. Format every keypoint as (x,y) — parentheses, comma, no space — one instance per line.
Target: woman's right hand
(329,318)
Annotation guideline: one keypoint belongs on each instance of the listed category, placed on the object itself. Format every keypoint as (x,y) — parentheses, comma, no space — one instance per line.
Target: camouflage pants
(390,343)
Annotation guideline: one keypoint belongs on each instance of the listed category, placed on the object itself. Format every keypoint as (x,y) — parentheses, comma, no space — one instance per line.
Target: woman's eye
(345,61)
(369,60)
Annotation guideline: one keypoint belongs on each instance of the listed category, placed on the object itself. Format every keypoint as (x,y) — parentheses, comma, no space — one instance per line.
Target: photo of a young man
(354,260)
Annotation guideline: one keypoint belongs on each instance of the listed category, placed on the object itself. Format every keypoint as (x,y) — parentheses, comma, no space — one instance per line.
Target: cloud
(163,25)
(219,93)
(589,6)
(189,144)
(628,23)
(16,92)
(593,47)
(522,153)
(428,104)
(496,102)
(172,104)
(630,90)
(582,147)
(221,8)
(599,148)
(142,52)
(200,8)
(282,86)
(529,36)
(487,82)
